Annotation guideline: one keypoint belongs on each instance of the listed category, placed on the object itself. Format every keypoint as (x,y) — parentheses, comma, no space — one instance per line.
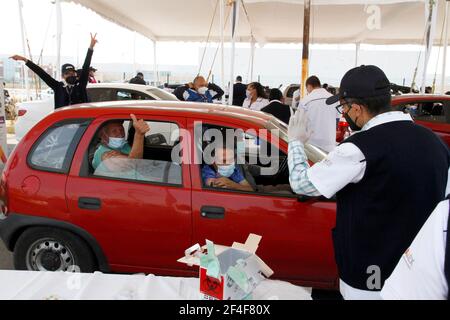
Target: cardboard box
(228,273)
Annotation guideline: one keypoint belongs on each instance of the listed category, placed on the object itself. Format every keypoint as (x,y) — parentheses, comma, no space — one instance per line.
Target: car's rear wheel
(51,249)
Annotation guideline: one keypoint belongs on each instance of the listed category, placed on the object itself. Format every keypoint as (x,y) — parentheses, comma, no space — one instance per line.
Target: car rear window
(54,150)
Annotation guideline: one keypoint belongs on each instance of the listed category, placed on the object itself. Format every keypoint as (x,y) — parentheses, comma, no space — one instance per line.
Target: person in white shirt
(387,177)
(323,118)
(423,271)
(256,97)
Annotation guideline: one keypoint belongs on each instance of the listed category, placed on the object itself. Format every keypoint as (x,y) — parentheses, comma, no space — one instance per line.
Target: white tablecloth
(28,285)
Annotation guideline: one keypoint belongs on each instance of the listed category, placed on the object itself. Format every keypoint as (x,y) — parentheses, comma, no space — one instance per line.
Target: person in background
(138,79)
(92,78)
(199,91)
(377,218)
(256,97)
(276,107)
(239,92)
(72,90)
(423,272)
(323,118)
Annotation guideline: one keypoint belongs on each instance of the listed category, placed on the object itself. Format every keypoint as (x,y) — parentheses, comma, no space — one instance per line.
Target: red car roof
(181,109)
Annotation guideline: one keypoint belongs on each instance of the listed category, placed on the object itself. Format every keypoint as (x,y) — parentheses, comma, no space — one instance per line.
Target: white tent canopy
(275,21)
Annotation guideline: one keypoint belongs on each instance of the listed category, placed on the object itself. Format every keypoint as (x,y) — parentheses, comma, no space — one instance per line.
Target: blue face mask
(226,171)
(116,143)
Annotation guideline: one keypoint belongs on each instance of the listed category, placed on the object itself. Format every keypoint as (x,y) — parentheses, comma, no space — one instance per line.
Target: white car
(31,112)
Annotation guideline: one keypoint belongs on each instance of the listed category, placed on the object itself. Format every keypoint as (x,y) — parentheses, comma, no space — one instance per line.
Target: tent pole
(431,9)
(305,49)
(155,64)
(358,47)
(444,61)
(58,38)
(234,24)
(252,63)
(24,48)
(222,49)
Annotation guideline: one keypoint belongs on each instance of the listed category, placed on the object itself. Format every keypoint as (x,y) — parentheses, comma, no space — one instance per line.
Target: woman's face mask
(226,170)
(116,143)
(249,94)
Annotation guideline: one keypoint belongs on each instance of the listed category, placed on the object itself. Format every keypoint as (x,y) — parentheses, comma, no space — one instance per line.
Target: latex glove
(299,127)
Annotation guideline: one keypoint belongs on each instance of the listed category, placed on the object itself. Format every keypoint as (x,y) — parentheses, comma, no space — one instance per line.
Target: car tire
(52,249)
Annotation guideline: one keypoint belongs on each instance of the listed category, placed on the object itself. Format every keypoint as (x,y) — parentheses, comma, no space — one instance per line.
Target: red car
(431,111)
(56,211)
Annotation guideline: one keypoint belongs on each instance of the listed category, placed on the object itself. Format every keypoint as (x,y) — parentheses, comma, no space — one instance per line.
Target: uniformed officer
(387,177)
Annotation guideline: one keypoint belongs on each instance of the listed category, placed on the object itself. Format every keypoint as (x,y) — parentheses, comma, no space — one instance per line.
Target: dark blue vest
(378,218)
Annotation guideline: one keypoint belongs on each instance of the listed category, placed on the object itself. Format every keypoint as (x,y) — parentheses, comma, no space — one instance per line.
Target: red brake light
(22,112)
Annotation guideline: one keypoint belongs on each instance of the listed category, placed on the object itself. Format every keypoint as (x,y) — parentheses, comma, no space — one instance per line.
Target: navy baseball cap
(362,82)
(67,67)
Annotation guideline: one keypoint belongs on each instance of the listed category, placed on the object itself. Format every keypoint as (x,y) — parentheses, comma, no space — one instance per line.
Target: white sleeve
(345,164)
(419,274)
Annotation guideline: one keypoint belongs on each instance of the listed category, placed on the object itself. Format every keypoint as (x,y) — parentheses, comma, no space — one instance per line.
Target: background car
(31,112)
(57,210)
(288,92)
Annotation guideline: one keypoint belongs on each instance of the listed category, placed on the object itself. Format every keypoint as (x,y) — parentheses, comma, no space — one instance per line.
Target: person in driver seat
(115,146)
(224,173)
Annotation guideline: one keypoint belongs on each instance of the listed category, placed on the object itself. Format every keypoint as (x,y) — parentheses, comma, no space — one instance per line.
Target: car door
(296,236)
(141,225)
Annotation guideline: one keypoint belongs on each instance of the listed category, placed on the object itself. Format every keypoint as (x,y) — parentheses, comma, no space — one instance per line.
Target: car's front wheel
(51,249)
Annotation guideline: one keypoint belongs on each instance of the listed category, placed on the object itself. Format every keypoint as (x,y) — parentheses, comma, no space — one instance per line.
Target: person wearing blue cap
(72,90)
(387,178)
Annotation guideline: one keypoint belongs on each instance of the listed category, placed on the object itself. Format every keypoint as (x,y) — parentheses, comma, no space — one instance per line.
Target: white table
(29,285)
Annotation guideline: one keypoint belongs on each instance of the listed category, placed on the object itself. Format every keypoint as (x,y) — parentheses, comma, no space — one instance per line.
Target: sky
(275,62)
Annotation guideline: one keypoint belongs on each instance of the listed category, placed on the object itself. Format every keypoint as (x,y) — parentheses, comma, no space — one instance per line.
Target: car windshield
(162,95)
(313,153)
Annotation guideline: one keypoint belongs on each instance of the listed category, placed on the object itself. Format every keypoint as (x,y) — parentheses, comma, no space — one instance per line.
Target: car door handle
(212,212)
(90,203)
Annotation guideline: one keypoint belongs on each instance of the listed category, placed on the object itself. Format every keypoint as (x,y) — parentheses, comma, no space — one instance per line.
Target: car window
(155,166)
(100,94)
(291,91)
(54,150)
(131,95)
(261,163)
(431,111)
